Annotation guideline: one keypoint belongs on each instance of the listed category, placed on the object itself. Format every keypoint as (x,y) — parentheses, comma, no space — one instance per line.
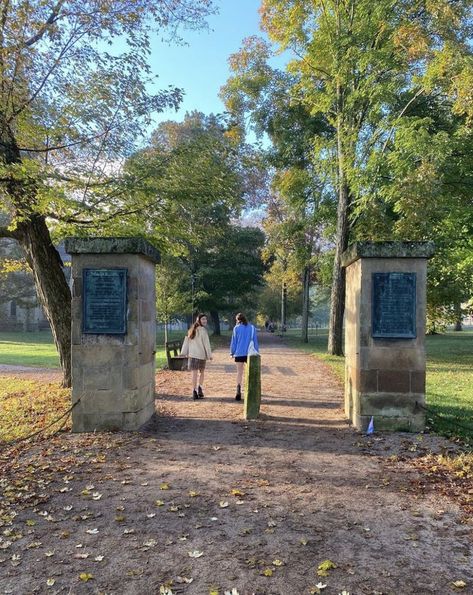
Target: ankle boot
(238,393)
(195,396)
(200,392)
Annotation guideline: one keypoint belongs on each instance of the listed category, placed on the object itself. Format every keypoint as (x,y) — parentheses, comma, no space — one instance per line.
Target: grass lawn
(449,377)
(38,349)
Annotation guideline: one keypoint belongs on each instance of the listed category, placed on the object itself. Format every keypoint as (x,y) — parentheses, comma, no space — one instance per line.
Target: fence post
(252,387)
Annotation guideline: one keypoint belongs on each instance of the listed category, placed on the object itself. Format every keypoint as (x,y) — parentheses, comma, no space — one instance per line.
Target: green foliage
(194,181)
(71,109)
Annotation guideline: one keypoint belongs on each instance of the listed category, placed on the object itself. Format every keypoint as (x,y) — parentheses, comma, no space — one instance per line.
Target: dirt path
(259,506)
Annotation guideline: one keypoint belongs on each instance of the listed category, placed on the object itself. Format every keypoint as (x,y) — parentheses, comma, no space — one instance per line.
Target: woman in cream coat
(197,348)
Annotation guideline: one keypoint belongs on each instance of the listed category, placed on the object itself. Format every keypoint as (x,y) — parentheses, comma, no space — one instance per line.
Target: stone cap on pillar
(113,245)
(387,250)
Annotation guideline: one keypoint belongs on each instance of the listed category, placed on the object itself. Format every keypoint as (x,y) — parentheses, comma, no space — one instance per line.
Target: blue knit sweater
(241,337)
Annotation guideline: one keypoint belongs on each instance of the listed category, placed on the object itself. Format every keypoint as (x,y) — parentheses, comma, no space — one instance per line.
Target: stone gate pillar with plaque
(113,332)
(385,310)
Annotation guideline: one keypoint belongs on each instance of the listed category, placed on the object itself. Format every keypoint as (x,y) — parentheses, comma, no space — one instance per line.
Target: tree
(354,60)
(297,205)
(70,109)
(229,272)
(195,177)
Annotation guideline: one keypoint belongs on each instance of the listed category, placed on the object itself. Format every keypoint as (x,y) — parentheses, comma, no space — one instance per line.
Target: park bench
(176,361)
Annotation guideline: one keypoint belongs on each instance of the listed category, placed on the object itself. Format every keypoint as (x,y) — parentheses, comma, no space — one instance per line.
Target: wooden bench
(176,361)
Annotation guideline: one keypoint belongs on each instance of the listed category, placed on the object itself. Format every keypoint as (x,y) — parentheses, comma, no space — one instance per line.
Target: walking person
(197,348)
(243,334)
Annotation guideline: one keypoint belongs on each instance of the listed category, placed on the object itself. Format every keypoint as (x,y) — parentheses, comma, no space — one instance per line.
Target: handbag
(251,347)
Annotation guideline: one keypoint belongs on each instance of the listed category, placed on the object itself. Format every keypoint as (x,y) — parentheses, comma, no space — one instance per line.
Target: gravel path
(203,496)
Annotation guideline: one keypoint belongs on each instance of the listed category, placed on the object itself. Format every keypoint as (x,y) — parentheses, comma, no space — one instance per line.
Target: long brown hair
(242,318)
(193,329)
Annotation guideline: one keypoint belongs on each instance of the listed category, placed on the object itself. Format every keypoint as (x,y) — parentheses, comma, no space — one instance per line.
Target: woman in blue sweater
(243,334)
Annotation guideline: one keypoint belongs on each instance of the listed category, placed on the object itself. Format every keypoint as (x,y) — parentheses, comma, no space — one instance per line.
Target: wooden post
(252,387)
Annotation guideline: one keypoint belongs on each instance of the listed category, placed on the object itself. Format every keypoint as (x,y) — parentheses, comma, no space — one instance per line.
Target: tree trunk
(337,303)
(32,233)
(283,306)
(337,299)
(458,317)
(51,285)
(305,304)
(215,322)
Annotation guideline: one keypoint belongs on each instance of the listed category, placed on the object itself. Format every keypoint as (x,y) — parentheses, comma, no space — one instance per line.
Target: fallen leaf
(193,494)
(268,572)
(324,567)
(223,504)
(183,579)
(98,558)
(159,503)
(459,584)
(151,515)
(50,582)
(92,531)
(237,493)
(85,576)
(278,562)
(164,486)
(195,554)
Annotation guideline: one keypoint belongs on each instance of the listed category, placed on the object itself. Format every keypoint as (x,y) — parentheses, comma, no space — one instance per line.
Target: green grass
(449,390)
(38,349)
(28,349)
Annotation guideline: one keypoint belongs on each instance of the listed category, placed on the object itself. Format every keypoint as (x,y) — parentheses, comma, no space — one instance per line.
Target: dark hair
(241,318)
(193,329)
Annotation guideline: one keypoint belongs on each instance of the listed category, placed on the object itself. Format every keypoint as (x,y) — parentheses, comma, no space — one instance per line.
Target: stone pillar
(385,314)
(113,332)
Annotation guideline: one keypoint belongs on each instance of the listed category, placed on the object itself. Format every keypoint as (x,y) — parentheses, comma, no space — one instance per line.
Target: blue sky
(201,67)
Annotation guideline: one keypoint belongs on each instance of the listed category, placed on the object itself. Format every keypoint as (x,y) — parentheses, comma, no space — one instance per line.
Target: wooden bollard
(252,387)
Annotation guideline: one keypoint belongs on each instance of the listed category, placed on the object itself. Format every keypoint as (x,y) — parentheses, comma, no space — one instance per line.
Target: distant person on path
(243,334)
(197,348)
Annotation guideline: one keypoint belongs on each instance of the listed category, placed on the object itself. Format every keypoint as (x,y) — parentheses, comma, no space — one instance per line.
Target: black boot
(200,392)
(195,396)
(238,393)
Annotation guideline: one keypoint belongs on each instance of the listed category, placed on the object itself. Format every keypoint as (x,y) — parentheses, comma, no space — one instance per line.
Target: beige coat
(199,346)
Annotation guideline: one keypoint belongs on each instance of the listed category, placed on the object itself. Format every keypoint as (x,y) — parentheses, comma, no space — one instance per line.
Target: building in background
(19,306)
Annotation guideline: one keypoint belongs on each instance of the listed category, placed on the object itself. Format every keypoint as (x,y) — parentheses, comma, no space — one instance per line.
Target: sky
(201,67)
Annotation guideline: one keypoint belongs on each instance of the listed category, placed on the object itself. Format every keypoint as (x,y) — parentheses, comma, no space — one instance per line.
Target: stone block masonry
(113,374)
(385,375)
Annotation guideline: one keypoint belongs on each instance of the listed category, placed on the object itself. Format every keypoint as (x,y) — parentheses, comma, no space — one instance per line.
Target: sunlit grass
(449,381)
(27,406)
